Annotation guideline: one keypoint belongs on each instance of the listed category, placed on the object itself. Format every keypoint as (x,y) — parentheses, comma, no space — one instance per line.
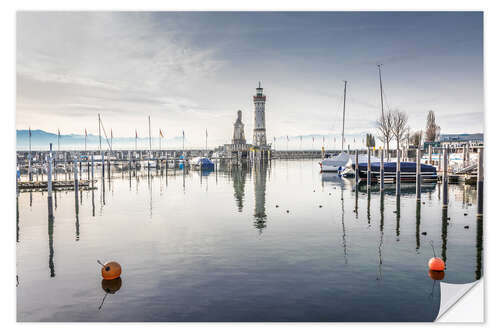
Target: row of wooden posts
(418,177)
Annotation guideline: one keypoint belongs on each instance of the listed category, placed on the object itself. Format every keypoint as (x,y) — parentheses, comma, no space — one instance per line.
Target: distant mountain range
(40,140)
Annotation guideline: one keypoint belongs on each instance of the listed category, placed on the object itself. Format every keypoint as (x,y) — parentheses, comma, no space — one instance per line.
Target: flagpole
(85,141)
(206,141)
(29,156)
(149,126)
(136,140)
(100,140)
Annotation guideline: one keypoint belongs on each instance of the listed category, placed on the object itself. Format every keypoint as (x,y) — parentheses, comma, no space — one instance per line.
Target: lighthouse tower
(259,132)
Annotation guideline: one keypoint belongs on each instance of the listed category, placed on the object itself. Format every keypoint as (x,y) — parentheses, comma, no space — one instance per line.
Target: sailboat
(335,163)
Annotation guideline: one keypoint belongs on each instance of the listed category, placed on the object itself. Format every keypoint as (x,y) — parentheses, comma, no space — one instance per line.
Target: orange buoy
(436,275)
(436,264)
(110,270)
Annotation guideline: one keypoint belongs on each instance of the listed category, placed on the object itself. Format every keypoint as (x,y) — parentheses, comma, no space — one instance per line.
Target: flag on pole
(287,139)
(111,133)
(182,133)
(29,131)
(161,134)
(58,132)
(313,138)
(136,133)
(85,132)
(354,140)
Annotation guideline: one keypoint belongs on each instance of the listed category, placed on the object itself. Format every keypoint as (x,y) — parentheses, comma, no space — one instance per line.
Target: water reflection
(444,233)
(479,247)
(110,287)
(259,176)
(239,179)
(381,236)
(417,226)
(51,245)
(366,250)
(17,216)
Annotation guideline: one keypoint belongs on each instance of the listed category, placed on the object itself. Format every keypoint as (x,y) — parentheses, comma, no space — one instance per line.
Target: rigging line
(105,135)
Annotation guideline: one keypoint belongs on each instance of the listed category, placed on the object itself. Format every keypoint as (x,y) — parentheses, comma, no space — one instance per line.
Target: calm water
(215,247)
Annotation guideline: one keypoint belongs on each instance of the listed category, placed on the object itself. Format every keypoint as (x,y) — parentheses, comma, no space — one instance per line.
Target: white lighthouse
(259,132)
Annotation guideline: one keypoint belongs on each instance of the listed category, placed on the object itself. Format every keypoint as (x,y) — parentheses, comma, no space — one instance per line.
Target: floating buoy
(436,275)
(110,270)
(465,214)
(320,206)
(277,206)
(466,227)
(424,233)
(287,211)
(435,263)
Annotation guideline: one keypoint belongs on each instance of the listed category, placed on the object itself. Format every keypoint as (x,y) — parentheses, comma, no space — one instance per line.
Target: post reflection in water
(17,216)
(368,200)
(381,240)
(444,233)
(51,245)
(356,196)
(417,226)
(259,176)
(344,243)
(398,216)
(239,179)
(77,221)
(479,247)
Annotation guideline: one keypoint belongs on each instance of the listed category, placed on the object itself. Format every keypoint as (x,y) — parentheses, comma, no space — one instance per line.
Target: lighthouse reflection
(260,178)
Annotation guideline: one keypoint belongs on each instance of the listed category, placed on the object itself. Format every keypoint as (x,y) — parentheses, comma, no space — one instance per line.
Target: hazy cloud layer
(194,70)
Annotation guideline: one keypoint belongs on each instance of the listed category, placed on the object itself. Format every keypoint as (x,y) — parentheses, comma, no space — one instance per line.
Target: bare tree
(399,125)
(432,129)
(416,138)
(384,128)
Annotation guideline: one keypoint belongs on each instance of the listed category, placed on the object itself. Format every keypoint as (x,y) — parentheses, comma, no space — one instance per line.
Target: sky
(193,71)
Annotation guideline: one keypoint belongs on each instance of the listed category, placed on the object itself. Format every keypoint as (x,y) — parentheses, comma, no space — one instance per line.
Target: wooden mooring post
(49,183)
(445,178)
(75,170)
(480,182)
(382,175)
(417,176)
(92,166)
(369,170)
(356,167)
(398,173)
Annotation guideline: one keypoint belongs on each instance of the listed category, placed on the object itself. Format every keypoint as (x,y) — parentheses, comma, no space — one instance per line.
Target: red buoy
(110,270)
(436,264)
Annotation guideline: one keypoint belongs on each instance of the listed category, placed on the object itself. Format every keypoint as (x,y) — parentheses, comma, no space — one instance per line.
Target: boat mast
(381,96)
(343,116)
